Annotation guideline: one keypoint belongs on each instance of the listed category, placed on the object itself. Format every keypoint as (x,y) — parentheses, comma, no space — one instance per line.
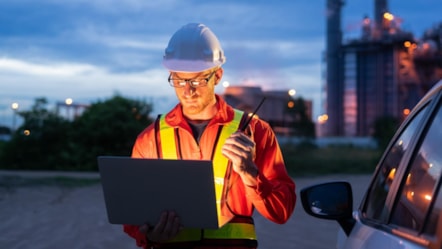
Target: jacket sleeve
(140,238)
(274,196)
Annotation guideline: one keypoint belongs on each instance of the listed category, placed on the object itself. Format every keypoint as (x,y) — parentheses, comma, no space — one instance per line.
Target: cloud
(23,81)
(8,66)
(281,48)
(91,49)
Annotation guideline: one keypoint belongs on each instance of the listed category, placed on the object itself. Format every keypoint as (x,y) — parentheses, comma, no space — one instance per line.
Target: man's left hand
(240,149)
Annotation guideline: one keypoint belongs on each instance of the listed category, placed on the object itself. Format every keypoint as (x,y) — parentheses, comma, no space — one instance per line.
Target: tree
(106,128)
(37,142)
(5,130)
(384,129)
(49,141)
(302,125)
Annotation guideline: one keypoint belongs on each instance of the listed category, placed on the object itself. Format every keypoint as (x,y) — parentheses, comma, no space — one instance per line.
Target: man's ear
(218,75)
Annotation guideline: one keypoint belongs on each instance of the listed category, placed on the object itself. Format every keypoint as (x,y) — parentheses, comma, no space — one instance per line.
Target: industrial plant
(383,73)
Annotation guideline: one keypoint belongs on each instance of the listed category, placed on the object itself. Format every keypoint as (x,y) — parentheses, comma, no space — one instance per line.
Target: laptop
(136,191)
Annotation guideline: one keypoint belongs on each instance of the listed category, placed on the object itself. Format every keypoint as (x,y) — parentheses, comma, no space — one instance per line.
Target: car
(402,206)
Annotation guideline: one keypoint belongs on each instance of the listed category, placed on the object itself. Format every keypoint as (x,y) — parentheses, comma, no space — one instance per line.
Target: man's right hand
(167,228)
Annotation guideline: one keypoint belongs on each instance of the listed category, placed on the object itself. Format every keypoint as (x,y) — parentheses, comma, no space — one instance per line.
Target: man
(253,174)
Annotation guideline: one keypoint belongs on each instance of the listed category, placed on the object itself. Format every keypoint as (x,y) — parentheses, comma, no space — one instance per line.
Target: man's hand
(240,149)
(167,228)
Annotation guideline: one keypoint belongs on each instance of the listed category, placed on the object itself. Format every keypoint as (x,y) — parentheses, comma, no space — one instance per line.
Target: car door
(402,207)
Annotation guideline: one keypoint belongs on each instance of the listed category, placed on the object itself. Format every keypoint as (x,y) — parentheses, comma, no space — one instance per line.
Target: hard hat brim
(188,66)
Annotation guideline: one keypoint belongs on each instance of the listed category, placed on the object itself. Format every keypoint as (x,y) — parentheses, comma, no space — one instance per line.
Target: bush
(47,141)
(308,161)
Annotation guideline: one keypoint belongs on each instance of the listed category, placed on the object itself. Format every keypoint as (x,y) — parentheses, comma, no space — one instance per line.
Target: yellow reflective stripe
(220,162)
(228,231)
(167,138)
(232,231)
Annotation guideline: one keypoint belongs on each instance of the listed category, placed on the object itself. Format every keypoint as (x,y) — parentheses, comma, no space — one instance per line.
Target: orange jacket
(274,197)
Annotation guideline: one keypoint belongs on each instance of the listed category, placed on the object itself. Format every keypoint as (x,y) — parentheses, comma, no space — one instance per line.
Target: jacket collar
(224,115)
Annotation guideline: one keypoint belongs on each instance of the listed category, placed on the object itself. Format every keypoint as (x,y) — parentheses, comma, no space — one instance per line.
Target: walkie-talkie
(244,127)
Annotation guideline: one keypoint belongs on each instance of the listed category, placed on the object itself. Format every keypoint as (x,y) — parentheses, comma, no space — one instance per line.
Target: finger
(241,140)
(235,144)
(175,226)
(234,153)
(234,149)
(159,227)
(247,144)
(172,218)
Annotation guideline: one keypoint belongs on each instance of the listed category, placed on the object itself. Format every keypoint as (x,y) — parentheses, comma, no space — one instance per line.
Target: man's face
(198,102)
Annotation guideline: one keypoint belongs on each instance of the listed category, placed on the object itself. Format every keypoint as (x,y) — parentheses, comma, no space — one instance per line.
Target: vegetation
(305,160)
(48,141)
(302,126)
(385,128)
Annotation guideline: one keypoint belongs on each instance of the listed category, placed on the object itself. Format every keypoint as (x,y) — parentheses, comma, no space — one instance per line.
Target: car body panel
(402,207)
(368,237)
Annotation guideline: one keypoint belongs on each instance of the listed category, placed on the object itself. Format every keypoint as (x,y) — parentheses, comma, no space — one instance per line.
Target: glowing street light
(292,92)
(14,107)
(290,104)
(388,16)
(322,119)
(68,102)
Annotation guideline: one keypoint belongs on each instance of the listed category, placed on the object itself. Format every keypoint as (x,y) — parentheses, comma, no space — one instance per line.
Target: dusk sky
(89,50)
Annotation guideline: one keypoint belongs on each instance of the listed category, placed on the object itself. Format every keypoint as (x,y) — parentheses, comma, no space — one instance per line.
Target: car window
(435,215)
(375,207)
(420,183)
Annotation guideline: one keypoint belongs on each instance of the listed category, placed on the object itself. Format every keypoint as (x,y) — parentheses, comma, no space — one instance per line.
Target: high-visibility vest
(242,230)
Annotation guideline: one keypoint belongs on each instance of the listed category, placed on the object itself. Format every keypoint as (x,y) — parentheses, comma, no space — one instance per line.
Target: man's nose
(188,90)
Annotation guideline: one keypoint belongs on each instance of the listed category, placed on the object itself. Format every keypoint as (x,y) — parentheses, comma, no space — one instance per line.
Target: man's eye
(195,83)
(180,82)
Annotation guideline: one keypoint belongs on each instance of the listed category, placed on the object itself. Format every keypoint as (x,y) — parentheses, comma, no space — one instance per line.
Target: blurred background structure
(383,73)
(286,114)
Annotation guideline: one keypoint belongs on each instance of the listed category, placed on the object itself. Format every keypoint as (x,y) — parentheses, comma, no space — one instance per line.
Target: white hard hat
(193,48)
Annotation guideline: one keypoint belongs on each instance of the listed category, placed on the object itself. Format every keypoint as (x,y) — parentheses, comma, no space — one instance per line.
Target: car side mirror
(332,200)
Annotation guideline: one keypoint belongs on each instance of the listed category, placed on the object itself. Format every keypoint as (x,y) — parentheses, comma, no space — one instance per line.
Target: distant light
(292,92)
(406,111)
(367,21)
(226,84)
(407,44)
(68,101)
(322,118)
(14,106)
(290,104)
(388,16)
(26,132)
